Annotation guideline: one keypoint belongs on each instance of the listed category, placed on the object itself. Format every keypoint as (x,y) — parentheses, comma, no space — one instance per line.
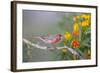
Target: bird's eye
(60,35)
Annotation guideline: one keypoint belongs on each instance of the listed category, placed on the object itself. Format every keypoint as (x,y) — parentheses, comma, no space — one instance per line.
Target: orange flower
(75,43)
(75,33)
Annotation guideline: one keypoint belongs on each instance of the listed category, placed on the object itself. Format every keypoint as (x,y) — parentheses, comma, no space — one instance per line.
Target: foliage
(79,38)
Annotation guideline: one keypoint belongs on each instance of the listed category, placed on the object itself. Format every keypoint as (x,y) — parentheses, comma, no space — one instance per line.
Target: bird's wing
(48,37)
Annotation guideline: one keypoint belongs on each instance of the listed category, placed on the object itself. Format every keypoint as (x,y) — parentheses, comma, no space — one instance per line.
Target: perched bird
(51,39)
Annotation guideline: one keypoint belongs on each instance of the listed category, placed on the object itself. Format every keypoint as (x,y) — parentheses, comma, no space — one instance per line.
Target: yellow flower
(75,18)
(86,20)
(83,16)
(75,29)
(67,35)
(85,23)
(88,17)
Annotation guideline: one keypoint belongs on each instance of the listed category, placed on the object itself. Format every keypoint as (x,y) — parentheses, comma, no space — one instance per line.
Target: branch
(74,52)
(34,45)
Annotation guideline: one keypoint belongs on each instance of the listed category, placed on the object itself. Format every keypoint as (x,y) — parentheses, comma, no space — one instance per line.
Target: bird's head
(58,35)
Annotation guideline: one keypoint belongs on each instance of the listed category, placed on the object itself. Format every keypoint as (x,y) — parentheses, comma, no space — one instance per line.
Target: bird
(51,39)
